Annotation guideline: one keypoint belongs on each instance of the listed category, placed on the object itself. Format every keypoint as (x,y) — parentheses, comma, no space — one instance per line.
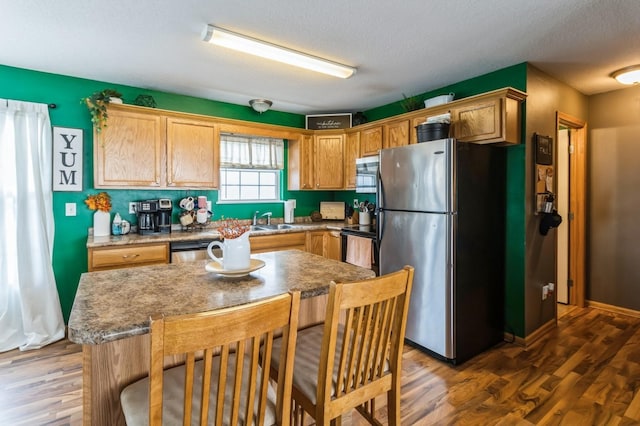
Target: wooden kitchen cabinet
(129,152)
(396,134)
(333,245)
(300,163)
(315,242)
(150,150)
(371,141)
(325,243)
(193,153)
(351,153)
(490,118)
(328,161)
(317,162)
(276,242)
(114,257)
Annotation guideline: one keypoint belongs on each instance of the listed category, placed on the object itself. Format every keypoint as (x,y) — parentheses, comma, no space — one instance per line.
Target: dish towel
(359,251)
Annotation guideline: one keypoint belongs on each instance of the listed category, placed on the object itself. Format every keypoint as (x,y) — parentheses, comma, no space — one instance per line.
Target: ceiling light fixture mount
(260,105)
(628,75)
(263,49)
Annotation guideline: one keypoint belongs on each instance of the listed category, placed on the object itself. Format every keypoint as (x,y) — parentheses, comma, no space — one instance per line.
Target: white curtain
(30,313)
(251,152)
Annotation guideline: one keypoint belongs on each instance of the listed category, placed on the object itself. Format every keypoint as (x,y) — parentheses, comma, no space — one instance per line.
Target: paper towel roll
(289,206)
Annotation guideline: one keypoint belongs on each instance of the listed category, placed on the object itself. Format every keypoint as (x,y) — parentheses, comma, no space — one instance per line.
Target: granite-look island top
(116,304)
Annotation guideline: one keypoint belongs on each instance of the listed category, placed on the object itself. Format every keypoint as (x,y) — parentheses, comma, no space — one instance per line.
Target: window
(250,168)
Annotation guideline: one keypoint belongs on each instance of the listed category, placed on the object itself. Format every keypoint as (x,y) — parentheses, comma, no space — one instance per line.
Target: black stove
(363,231)
(368,231)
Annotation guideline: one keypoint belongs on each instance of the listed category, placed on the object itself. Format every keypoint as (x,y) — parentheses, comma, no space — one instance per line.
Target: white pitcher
(235,252)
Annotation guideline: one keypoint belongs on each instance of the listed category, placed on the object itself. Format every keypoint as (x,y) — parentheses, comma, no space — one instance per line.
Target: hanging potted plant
(97,104)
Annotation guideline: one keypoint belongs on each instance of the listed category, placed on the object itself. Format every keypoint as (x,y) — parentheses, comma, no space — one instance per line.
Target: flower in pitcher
(232,228)
(101,201)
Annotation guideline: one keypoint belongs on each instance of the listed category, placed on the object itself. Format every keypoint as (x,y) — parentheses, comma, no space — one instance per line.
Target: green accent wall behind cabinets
(70,256)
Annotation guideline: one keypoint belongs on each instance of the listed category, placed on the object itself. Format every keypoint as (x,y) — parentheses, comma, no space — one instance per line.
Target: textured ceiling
(405,47)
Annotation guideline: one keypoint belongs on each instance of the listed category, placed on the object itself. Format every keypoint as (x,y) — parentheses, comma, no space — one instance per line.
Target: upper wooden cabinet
(491,118)
(146,149)
(371,141)
(300,163)
(328,160)
(351,153)
(129,152)
(396,133)
(193,153)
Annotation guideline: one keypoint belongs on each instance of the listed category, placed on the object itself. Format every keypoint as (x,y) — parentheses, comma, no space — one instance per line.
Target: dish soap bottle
(116,226)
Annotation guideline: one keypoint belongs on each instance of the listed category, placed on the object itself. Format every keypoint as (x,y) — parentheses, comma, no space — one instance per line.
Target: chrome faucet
(255,218)
(268,215)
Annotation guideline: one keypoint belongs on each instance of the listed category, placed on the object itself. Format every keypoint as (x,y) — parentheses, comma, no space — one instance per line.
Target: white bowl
(438,100)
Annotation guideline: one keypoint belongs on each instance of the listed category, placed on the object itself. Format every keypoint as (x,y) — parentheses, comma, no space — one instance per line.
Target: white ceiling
(406,47)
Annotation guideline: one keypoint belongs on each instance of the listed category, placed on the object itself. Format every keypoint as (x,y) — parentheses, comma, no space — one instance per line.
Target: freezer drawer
(423,241)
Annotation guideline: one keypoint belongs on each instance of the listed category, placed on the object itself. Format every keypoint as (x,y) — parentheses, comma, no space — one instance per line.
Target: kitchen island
(110,314)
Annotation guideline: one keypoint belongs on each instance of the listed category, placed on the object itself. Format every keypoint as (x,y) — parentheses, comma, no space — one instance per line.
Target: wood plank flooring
(585,372)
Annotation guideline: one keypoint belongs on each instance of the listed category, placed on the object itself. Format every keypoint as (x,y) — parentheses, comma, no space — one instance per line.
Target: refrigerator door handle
(380,225)
(379,189)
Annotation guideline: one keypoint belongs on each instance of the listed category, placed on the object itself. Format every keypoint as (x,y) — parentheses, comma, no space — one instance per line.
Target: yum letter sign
(67,159)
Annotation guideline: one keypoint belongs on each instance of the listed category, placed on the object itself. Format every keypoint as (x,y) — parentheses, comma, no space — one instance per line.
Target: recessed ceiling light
(263,49)
(628,75)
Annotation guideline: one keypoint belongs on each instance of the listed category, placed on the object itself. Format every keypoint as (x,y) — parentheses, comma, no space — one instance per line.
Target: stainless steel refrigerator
(441,210)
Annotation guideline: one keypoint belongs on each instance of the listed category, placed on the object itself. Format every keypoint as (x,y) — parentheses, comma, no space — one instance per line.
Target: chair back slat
(216,343)
(188,388)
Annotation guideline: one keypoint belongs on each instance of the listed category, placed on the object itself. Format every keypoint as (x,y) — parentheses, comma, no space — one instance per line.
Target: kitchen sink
(273,227)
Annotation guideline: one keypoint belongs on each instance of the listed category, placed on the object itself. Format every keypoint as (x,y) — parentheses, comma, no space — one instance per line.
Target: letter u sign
(67,159)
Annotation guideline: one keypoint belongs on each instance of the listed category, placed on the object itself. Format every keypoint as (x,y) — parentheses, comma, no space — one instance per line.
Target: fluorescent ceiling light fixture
(628,75)
(231,40)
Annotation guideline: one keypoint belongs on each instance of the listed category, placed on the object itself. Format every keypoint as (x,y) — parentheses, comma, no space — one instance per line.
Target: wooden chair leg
(393,407)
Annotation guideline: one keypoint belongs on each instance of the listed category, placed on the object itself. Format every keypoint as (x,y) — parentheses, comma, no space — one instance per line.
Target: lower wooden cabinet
(113,257)
(277,242)
(325,243)
(333,245)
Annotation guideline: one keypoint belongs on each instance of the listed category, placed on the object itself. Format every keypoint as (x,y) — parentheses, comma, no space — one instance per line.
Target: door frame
(577,204)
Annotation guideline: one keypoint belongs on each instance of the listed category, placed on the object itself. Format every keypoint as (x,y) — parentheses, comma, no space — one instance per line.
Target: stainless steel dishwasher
(190,251)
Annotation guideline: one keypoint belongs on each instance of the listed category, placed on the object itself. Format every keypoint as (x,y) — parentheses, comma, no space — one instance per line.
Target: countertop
(207,233)
(116,304)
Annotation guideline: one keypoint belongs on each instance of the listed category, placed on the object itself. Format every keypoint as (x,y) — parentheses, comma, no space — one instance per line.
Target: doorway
(571,243)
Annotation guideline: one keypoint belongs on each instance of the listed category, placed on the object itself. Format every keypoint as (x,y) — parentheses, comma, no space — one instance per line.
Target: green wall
(70,259)
(514,76)
(70,253)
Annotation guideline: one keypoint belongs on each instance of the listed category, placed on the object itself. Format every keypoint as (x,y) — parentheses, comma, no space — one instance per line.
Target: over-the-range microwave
(367,174)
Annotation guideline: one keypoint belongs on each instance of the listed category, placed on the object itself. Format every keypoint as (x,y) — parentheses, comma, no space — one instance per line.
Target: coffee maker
(154,216)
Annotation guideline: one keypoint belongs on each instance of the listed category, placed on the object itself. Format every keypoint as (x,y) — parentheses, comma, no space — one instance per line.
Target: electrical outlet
(70,209)
(355,202)
(132,208)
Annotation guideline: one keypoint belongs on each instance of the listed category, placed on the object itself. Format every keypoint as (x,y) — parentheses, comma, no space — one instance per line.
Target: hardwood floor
(585,372)
(42,387)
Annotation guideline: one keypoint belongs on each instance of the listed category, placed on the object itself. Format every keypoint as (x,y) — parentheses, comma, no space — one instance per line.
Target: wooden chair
(214,342)
(356,354)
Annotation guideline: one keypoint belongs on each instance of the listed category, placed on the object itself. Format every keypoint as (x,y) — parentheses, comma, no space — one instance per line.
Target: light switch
(70,209)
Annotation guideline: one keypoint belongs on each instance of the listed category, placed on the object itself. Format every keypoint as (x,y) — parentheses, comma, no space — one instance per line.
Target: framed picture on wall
(328,121)
(544,150)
